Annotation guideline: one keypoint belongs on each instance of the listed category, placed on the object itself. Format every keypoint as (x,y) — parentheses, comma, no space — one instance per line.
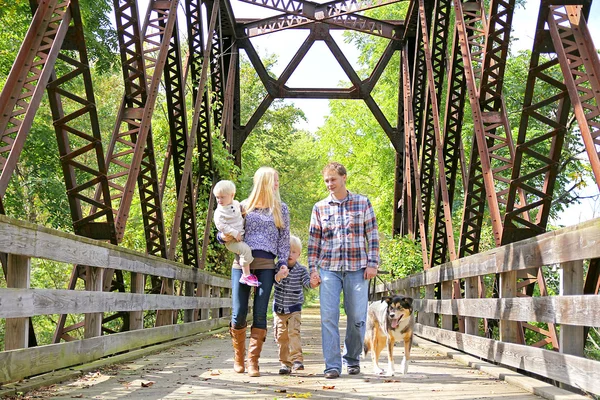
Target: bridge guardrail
(24,241)
(565,248)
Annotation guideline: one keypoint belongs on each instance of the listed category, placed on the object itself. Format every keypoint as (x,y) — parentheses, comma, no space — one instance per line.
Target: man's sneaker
(332,374)
(284,370)
(297,366)
(250,280)
(354,370)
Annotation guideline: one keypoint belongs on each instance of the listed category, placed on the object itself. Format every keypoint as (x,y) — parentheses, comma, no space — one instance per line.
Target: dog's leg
(407,345)
(378,344)
(390,348)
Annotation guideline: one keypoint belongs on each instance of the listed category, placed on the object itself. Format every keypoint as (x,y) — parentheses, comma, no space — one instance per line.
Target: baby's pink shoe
(250,280)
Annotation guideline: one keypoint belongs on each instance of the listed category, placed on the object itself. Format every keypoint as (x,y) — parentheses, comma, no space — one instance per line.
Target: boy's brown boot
(238,338)
(257,338)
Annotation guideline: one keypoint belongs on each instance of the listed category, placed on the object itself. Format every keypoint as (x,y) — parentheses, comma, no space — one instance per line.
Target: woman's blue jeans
(356,300)
(240,297)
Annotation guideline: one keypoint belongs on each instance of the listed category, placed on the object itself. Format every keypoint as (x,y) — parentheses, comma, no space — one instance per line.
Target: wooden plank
(92,325)
(571,310)
(425,317)
(17,303)
(579,242)
(575,371)
(18,275)
(24,238)
(471,292)
(136,318)
(447,294)
(571,339)
(510,331)
(18,364)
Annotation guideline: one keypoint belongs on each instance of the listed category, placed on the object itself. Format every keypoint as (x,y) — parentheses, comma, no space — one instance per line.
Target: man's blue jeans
(240,296)
(356,298)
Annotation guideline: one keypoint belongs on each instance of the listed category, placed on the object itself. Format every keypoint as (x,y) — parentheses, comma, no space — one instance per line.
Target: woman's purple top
(262,234)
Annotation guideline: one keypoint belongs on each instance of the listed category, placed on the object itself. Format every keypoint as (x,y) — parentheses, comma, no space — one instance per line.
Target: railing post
(93,321)
(226,310)
(571,339)
(18,276)
(136,318)
(166,317)
(428,318)
(509,330)
(188,315)
(215,292)
(472,292)
(446,288)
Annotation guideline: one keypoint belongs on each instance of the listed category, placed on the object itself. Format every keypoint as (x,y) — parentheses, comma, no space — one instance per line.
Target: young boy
(229,221)
(287,308)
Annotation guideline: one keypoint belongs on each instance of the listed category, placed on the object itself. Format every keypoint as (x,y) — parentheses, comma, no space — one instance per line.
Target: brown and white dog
(389,320)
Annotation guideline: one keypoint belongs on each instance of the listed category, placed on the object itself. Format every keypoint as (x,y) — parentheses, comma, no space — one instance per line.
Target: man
(343,244)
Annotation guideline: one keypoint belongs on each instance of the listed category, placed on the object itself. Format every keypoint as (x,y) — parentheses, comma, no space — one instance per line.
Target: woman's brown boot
(257,338)
(238,337)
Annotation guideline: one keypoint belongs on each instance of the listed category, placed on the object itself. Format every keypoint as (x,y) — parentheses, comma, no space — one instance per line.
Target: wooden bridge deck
(202,369)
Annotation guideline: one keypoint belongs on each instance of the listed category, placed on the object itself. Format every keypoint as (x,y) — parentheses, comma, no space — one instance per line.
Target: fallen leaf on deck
(280,391)
(328,387)
(215,372)
(306,395)
(147,384)
(391,380)
(77,396)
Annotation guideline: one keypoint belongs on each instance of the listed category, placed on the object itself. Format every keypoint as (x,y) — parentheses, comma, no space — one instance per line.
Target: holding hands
(315,279)
(282,274)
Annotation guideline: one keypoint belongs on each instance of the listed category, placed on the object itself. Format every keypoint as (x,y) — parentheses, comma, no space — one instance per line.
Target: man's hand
(238,237)
(370,272)
(315,279)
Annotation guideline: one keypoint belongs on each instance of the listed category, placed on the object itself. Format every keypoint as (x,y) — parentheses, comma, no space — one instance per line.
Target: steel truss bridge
(453,60)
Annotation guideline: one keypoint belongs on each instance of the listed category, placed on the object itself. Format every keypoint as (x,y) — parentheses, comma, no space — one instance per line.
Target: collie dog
(389,320)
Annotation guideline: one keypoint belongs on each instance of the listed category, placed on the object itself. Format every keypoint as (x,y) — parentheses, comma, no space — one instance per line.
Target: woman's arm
(283,242)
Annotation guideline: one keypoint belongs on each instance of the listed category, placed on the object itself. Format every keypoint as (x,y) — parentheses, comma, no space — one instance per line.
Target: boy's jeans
(240,296)
(287,335)
(356,298)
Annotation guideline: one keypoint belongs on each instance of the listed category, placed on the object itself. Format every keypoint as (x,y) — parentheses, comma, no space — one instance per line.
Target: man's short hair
(295,243)
(335,166)
(224,187)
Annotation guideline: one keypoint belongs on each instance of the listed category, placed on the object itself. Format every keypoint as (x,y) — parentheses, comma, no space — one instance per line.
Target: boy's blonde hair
(224,187)
(295,243)
(264,193)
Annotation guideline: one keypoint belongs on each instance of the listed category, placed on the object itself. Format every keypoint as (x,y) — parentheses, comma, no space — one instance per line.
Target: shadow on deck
(203,369)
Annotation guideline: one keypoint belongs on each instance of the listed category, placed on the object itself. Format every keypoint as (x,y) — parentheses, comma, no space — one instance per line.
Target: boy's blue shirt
(289,295)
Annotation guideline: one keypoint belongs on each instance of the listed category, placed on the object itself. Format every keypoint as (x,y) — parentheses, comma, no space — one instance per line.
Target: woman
(267,232)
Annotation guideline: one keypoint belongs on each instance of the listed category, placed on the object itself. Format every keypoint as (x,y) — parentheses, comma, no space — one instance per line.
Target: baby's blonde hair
(224,187)
(295,243)
(264,193)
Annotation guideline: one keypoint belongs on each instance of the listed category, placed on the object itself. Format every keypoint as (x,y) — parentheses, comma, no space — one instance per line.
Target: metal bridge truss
(452,64)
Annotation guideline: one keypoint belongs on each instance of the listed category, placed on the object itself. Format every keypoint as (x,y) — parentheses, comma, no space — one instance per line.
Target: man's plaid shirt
(343,234)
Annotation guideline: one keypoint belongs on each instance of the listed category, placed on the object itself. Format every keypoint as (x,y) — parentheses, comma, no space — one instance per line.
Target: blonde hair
(264,193)
(295,243)
(224,187)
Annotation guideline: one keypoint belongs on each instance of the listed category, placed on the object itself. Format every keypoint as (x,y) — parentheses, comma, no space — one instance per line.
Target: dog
(389,320)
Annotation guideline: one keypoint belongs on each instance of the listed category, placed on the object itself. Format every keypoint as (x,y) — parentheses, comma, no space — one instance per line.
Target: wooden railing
(23,241)
(565,249)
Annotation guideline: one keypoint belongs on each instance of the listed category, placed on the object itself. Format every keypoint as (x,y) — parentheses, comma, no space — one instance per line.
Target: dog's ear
(409,300)
(387,299)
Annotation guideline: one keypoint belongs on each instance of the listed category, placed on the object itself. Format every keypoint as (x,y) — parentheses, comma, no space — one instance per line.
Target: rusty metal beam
(432,148)
(26,82)
(353,22)
(318,12)
(411,153)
